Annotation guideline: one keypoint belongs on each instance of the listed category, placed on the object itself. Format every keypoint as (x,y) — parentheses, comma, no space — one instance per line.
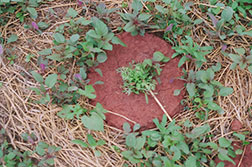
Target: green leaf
(12,38)
(227,13)
(190,87)
(144,17)
(223,155)
(80,142)
(37,77)
(158,56)
(161,9)
(74,38)
(94,122)
(32,12)
(55,57)
(250,69)
(59,37)
(43,25)
(224,91)
(140,141)
(102,57)
(51,80)
(238,152)
(176,92)
(136,5)
(126,127)
(45,52)
(223,142)
(91,141)
(240,51)
(191,161)
(198,131)
(93,34)
(88,92)
(116,40)
(40,150)
(131,140)
(71,12)
(100,27)
(83,21)
(11,155)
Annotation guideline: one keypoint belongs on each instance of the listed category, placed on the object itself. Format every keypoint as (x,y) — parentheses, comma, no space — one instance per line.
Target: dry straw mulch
(19,115)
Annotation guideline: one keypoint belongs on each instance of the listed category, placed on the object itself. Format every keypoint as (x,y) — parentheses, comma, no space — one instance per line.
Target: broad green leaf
(94,122)
(100,27)
(176,92)
(74,38)
(83,21)
(225,91)
(240,51)
(250,69)
(102,57)
(93,34)
(55,57)
(191,161)
(107,46)
(131,140)
(136,5)
(161,9)
(32,12)
(71,12)
(12,38)
(158,56)
(45,52)
(198,131)
(140,141)
(80,142)
(227,13)
(144,17)
(40,150)
(136,127)
(223,142)
(51,80)
(126,127)
(37,77)
(116,40)
(91,141)
(190,87)
(59,37)
(88,92)
(223,155)
(43,25)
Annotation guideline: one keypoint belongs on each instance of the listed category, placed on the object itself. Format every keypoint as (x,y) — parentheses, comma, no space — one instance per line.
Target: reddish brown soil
(246,160)
(134,106)
(236,125)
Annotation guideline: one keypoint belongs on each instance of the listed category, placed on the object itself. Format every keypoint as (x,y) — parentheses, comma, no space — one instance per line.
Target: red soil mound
(134,106)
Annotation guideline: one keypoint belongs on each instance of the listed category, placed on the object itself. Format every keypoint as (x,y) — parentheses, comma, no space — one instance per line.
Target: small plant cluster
(10,157)
(203,89)
(137,21)
(140,77)
(178,150)
(18,7)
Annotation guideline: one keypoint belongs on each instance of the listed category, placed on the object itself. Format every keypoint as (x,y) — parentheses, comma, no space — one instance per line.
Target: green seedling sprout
(140,77)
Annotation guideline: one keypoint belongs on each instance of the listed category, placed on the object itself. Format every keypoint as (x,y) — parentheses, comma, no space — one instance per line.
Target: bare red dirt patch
(236,125)
(134,106)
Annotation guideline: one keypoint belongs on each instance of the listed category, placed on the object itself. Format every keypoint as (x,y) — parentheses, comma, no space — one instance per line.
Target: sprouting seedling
(140,77)
(241,59)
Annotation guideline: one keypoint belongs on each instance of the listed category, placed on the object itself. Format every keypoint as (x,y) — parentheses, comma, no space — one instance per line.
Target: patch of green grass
(141,77)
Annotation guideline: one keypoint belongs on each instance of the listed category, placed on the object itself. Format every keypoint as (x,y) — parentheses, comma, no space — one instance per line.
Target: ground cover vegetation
(47,49)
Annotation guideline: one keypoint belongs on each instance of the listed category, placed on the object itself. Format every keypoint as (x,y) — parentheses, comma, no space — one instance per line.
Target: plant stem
(160,105)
